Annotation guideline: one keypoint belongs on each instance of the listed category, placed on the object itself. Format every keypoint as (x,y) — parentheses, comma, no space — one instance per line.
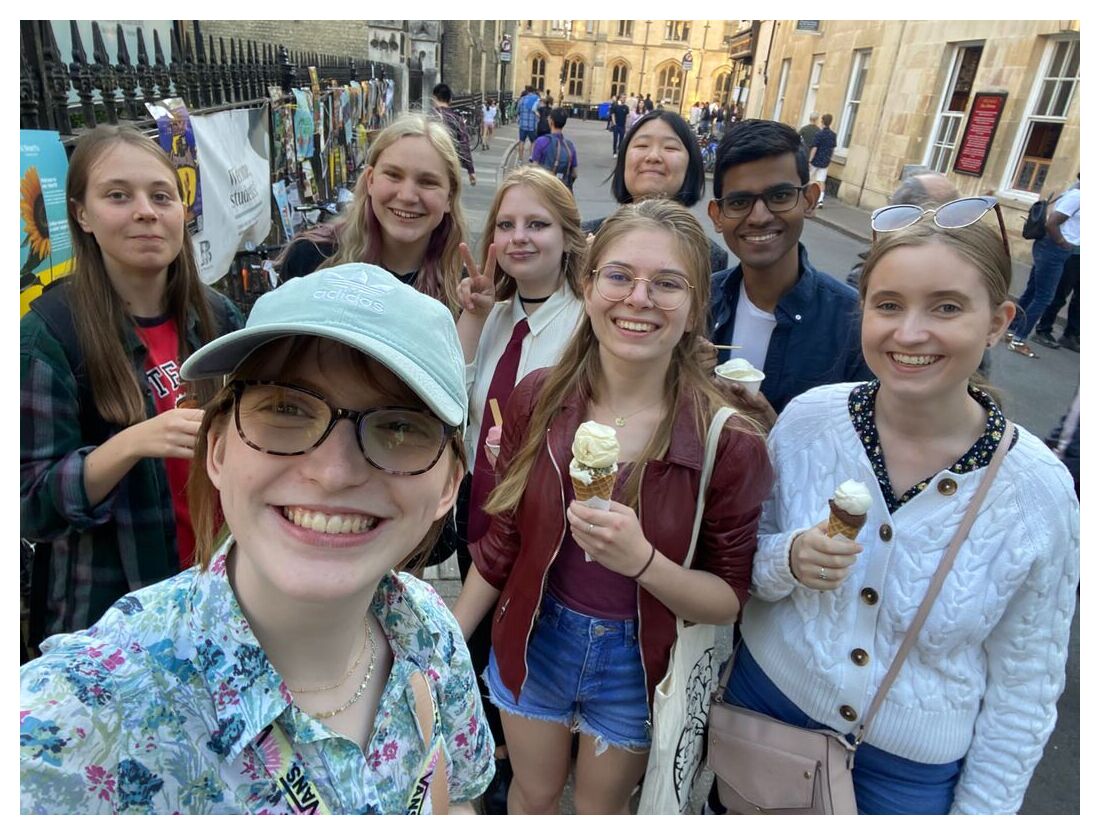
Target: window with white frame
(860,59)
(626,28)
(1042,128)
(810,104)
(784,73)
(561,27)
(953,105)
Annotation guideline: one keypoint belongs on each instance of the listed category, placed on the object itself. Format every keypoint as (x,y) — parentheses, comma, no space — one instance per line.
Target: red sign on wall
(981,125)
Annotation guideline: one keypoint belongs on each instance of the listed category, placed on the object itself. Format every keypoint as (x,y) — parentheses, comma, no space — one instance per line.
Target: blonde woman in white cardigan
(964,725)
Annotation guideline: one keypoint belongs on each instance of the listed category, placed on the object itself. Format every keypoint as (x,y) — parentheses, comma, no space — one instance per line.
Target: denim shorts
(583,672)
(885,784)
(525,134)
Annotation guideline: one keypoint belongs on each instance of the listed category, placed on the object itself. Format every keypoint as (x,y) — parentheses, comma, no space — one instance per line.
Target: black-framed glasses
(956,214)
(285,419)
(667,291)
(781,198)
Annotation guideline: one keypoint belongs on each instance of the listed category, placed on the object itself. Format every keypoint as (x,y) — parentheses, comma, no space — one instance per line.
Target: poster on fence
(236,191)
(45,248)
(176,137)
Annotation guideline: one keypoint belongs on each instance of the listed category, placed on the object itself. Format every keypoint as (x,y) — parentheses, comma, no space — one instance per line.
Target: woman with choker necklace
(532,249)
(293,670)
(406,216)
(581,645)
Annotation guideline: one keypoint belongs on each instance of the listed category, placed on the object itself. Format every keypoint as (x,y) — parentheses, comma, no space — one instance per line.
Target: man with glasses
(798,325)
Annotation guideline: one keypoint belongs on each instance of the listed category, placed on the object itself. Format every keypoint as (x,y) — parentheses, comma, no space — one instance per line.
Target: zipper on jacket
(638,605)
(546,573)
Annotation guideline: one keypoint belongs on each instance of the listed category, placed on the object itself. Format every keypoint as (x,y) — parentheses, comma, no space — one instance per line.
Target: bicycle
(512,159)
(708,147)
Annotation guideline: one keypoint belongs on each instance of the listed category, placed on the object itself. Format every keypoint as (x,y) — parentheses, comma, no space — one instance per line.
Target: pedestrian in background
(660,157)
(555,152)
(488,123)
(632,118)
(456,126)
(808,132)
(631,364)
(527,118)
(104,450)
(544,111)
(1049,255)
(293,669)
(821,155)
(519,311)
(1069,285)
(964,723)
(617,116)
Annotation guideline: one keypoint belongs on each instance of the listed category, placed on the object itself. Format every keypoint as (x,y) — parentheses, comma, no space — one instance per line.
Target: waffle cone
(600,487)
(843,523)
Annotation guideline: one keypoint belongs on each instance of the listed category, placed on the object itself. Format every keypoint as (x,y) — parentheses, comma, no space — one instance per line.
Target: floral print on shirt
(158,707)
(861,409)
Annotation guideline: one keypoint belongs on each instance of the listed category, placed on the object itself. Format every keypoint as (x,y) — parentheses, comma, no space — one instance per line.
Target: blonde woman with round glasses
(577,645)
(964,723)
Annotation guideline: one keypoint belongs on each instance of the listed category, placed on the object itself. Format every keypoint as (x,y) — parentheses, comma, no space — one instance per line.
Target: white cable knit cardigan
(988,667)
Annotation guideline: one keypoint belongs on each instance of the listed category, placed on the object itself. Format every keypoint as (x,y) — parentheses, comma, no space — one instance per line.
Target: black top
(304,256)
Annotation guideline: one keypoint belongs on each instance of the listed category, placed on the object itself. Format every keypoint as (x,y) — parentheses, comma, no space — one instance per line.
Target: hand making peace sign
(476,292)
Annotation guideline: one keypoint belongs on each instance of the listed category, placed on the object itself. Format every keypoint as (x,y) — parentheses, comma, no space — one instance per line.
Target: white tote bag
(682,698)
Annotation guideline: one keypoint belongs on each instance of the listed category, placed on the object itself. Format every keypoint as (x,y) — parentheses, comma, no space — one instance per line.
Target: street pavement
(1035,392)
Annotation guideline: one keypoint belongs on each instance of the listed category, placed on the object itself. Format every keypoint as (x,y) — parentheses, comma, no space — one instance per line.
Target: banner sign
(178,140)
(235,178)
(981,125)
(45,248)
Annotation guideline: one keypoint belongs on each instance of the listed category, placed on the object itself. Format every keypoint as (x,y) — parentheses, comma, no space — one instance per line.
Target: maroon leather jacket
(516,553)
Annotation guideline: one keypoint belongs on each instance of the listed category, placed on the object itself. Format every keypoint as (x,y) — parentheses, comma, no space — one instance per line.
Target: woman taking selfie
(406,216)
(660,157)
(292,670)
(963,725)
(103,449)
(630,365)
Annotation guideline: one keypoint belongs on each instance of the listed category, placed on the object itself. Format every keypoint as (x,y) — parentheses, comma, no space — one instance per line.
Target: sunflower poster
(45,249)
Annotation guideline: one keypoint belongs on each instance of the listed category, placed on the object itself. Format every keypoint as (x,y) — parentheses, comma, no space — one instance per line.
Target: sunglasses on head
(957,214)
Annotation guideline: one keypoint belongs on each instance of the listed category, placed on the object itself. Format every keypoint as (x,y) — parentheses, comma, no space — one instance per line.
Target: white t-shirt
(752,330)
(1069,204)
(490,114)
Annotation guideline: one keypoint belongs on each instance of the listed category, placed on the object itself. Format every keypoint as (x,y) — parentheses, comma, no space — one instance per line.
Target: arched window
(722,88)
(619,74)
(574,77)
(670,83)
(538,72)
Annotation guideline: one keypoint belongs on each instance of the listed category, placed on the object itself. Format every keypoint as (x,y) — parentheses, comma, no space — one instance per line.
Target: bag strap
(938,578)
(713,433)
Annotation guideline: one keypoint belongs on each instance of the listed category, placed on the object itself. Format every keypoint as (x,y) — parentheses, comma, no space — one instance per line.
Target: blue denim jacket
(816,337)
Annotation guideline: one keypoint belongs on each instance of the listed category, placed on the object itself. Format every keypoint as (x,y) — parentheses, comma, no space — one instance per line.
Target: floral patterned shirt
(158,707)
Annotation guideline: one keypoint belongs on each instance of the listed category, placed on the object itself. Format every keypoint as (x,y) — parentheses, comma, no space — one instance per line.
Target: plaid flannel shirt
(454,123)
(96,553)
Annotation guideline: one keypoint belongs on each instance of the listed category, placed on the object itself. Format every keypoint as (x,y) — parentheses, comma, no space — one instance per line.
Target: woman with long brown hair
(104,450)
(581,645)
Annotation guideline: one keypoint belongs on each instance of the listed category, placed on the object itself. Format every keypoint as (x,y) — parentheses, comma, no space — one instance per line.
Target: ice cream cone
(844,523)
(600,488)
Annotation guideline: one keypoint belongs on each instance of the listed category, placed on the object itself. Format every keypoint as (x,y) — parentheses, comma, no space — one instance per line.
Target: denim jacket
(816,338)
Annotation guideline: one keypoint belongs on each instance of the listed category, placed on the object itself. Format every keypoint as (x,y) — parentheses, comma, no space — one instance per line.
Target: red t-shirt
(162,375)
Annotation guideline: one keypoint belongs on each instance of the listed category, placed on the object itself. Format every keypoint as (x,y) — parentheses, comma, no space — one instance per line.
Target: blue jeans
(1048,260)
(616,138)
(582,672)
(885,784)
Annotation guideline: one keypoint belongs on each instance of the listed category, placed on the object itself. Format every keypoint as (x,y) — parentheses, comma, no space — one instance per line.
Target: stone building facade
(994,105)
(588,61)
(471,56)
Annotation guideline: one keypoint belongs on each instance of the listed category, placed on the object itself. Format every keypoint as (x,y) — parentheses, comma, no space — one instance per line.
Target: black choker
(533,301)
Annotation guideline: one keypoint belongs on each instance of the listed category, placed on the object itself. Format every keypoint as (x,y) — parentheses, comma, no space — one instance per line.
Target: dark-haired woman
(660,157)
(104,450)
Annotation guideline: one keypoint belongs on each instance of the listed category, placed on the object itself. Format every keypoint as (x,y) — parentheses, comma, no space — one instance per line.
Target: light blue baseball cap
(365,308)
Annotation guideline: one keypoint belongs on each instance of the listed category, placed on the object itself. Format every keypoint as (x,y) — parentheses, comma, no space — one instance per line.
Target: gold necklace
(620,420)
(328,714)
(347,674)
